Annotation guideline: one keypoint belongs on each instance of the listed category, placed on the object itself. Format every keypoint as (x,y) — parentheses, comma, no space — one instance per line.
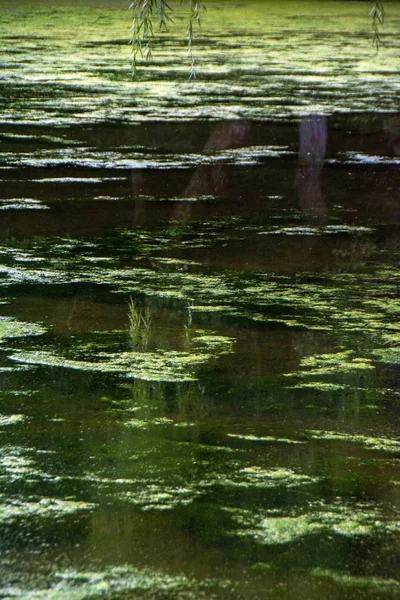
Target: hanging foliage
(148,14)
(151,14)
(378,16)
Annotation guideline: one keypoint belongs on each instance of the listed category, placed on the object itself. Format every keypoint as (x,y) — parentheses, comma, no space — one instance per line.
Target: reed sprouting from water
(139,325)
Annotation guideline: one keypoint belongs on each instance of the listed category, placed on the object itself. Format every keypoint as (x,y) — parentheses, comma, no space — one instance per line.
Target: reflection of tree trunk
(208,181)
(139,211)
(313,138)
(391,127)
(213,180)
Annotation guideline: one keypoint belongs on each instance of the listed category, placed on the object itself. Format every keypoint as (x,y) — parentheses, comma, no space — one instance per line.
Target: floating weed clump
(160,365)
(337,366)
(12,509)
(340,361)
(161,497)
(316,231)
(216,344)
(122,581)
(272,527)
(388,355)
(258,477)
(379,585)
(318,386)
(372,443)
(154,366)
(12,328)
(11,419)
(15,465)
(330,302)
(267,438)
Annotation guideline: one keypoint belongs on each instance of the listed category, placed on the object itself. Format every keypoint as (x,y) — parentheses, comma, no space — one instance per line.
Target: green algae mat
(199,305)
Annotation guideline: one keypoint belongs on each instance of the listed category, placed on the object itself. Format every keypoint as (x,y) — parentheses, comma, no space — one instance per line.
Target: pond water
(199,333)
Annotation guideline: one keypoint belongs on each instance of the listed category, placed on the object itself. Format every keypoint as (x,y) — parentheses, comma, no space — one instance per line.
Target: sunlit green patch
(14,369)
(151,366)
(271,527)
(314,370)
(19,464)
(157,421)
(255,438)
(11,419)
(267,478)
(388,355)
(22,204)
(12,328)
(369,584)
(119,581)
(161,496)
(14,465)
(11,509)
(373,443)
(280,530)
(339,361)
(137,424)
(318,386)
(176,262)
(389,305)
(391,338)
(217,344)
(156,366)
(314,231)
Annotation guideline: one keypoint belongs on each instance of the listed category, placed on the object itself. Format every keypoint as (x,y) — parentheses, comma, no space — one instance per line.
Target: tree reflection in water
(313,133)
(213,182)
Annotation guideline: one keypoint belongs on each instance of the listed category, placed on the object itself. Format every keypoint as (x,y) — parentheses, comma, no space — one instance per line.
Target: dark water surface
(199,333)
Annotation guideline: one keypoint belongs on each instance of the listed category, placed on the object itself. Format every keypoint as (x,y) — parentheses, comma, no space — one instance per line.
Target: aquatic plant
(11,328)
(139,325)
(158,365)
(339,518)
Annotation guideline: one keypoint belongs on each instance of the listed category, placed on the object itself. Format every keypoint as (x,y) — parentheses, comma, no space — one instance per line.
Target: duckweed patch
(339,366)
(379,584)
(316,231)
(11,419)
(12,328)
(329,303)
(56,508)
(388,355)
(258,477)
(120,451)
(161,497)
(255,438)
(172,366)
(378,443)
(340,518)
(122,580)
(159,365)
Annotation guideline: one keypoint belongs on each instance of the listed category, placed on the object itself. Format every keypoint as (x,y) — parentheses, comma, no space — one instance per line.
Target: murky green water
(199,333)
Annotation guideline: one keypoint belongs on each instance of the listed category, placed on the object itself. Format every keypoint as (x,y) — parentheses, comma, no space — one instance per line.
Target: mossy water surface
(240,437)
